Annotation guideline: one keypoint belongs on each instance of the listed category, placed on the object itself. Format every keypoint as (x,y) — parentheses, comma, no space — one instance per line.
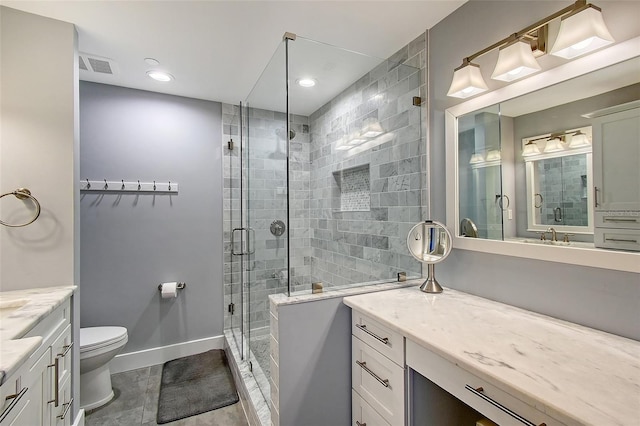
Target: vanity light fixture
(467,81)
(530,148)
(582,30)
(160,76)
(579,140)
(306,82)
(515,61)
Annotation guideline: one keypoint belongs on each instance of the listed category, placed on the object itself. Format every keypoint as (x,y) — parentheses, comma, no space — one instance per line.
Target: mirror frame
(594,257)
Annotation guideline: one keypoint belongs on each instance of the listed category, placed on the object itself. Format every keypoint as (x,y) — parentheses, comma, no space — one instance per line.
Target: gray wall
(599,298)
(315,363)
(131,243)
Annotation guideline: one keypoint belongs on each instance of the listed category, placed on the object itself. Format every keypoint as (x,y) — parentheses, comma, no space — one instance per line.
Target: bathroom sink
(7,307)
(547,242)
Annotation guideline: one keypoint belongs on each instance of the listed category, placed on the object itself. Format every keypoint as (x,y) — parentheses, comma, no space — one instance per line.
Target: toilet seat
(92,338)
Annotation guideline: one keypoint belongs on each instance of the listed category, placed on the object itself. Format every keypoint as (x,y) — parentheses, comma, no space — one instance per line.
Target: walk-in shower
(332,202)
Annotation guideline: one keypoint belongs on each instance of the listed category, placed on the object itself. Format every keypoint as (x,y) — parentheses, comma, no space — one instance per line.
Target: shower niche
(353,189)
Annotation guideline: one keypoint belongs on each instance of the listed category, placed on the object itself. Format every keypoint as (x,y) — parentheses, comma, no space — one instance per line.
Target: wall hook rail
(122,186)
(22,194)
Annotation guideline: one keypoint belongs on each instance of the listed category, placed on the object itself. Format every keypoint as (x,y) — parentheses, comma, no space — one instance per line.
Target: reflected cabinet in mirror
(549,167)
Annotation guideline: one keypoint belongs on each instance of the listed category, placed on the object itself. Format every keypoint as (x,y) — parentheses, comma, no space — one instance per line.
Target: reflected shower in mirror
(525,167)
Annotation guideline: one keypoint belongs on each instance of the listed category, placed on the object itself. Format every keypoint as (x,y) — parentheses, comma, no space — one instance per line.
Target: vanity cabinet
(377,373)
(616,176)
(467,358)
(42,385)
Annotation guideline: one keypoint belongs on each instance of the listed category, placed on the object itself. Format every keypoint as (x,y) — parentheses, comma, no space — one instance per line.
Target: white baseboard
(79,421)
(160,355)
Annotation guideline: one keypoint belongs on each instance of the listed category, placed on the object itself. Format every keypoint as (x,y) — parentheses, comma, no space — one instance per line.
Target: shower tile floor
(260,350)
(136,404)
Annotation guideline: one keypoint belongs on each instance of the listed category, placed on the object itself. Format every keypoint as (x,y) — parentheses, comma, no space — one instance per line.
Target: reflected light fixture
(494,155)
(341,145)
(554,144)
(579,140)
(160,76)
(306,82)
(355,139)
(582,30)
(530,148)
(372,128)
(476,158)
(515,61)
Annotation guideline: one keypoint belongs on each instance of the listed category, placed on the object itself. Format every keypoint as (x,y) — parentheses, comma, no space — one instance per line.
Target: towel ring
(21,194)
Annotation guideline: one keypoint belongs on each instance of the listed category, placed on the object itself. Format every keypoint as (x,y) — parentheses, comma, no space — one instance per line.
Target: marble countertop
(579,374)
(32,306)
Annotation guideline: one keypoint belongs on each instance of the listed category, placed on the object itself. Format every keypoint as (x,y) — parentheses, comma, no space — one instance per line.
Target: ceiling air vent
(81,64)
(97,64)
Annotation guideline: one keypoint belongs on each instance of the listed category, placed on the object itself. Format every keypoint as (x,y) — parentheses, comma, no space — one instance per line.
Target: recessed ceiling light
(160,76)
(152,61)
(306,82)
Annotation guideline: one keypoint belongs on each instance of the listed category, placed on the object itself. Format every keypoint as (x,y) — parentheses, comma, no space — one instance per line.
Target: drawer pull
(360,424)
(621,240)
(363,327)
(15,397)
(56,384)
(66,348)
(620,219)
(479,392)
(383,382)
(66,410)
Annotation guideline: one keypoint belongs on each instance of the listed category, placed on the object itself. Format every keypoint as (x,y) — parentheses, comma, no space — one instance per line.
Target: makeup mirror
(429,242)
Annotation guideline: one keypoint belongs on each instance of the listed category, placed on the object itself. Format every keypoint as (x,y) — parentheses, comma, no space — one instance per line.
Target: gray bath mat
(194,385)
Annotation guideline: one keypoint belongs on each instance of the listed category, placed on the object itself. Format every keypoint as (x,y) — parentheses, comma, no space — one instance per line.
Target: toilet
(98,346)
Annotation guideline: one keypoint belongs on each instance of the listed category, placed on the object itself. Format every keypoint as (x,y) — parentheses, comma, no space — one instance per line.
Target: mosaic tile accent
(355,190)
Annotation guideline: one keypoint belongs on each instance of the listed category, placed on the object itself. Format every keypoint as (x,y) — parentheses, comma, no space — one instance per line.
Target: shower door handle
(249,242)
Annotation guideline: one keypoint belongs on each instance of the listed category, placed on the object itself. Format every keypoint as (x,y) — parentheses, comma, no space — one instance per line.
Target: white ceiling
(216,50)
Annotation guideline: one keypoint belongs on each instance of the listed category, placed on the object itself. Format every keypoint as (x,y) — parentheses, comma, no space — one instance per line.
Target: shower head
(280,133)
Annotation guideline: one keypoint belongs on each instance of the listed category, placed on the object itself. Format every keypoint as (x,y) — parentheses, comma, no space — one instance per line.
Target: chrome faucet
(554,236)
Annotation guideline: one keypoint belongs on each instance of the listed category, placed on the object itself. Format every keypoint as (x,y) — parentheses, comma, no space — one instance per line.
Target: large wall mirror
(549,167)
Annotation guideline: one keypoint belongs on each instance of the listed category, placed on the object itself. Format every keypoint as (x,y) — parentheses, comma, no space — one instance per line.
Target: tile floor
(136,404)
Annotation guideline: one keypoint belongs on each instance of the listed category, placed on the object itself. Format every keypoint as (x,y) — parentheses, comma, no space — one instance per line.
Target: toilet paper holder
(179,286)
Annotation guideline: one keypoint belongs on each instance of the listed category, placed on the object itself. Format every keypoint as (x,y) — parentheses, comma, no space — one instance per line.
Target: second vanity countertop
(579,374)
(31,306)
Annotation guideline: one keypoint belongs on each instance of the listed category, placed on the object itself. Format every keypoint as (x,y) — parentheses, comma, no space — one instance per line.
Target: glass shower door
(265,197)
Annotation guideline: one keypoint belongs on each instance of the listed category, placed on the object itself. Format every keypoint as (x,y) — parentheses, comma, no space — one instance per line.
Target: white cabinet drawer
(612,220)
(378,381)
(381,338)
(362,414)
(50,328)
(621,239)
(61,349)
(492,402)
(61,415)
